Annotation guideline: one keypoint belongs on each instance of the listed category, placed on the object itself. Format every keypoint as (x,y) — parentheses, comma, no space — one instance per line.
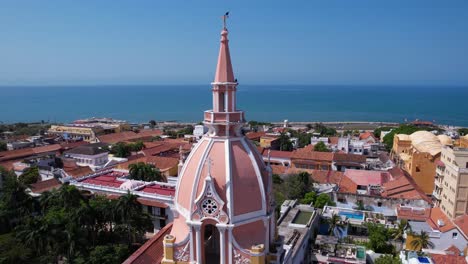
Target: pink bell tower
(224,207)
(224,119)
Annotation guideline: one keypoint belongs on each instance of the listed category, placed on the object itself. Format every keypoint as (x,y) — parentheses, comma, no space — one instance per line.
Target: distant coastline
(186,103)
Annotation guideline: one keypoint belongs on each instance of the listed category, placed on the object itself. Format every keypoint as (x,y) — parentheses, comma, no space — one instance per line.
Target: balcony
(436,194)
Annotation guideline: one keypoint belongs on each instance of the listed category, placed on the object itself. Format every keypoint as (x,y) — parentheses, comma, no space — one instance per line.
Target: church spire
(224,72)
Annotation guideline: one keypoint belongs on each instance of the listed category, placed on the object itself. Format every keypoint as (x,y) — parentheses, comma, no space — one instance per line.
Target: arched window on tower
(211,244)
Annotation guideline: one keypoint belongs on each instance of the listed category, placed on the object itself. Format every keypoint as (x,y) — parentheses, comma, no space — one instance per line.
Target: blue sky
(272,42)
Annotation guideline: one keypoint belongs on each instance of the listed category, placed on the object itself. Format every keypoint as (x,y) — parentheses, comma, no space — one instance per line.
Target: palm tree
(421,241)
(145,172)
(333,222)
(127,208)
(399,232)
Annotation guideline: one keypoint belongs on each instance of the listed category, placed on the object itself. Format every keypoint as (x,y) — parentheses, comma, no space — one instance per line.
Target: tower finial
(226,16)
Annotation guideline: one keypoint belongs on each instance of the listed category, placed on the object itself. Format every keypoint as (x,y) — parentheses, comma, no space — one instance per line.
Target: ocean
(442,104)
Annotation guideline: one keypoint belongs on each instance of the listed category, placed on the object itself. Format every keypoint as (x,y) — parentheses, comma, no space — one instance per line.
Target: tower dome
(224,203)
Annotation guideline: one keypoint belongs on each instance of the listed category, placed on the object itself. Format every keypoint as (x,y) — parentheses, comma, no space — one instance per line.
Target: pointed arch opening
(211,244)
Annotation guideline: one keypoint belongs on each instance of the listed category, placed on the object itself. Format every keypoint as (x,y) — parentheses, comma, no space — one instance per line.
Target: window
(379,204)
(417,169)
(454,235)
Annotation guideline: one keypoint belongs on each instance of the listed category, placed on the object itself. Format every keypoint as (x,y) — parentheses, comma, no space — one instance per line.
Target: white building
(93,155)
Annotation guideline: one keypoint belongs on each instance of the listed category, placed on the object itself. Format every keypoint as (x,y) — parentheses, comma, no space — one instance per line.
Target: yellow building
(75,132)
(417,154)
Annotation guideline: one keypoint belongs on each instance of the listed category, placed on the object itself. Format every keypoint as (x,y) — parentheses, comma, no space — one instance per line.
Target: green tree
(333,222)
(285,142)
(322,200)
(131,219)
(145,172)
(388,259)
(378,238)
(108,254)
(321,147)
(402,129)
(137,146)
(297,185)
(463,131)
(421,241)
(277,179)
(121,150)
(152,123)
(30,175)
(378,131)
(3,146)
(309,198)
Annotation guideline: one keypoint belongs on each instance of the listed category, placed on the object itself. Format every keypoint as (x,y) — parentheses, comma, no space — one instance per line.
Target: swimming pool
(352,215)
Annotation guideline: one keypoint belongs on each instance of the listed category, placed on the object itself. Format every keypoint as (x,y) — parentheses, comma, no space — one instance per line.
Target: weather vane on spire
(226,16)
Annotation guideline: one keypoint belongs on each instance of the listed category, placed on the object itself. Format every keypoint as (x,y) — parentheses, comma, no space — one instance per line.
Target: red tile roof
(333,140)
(159,189)
(347,157)
(366,177)
(279,169)
(255,135)
(46,185)
(403,186)
(412,213)
(22,153)
(307,153)
(162,163)
(447,259)
(153,203)
(330,176)
(152,251)
(78,172)
(276,153)
(462,223)
(129,136)
(437,214)
(109,179)
(366,135)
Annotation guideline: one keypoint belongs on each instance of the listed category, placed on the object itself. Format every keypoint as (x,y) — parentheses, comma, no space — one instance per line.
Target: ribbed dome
(445,140)
(425,141)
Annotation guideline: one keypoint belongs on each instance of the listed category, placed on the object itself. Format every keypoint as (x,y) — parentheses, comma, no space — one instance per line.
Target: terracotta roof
(453,249)
(152,251)
(462,223)
(412,213)
(162,163)
(346,157)
(277,154)
(403,186)
(166,146)
(255,135)
(437,214)
(22,153)
(279,169)
(153,203)
(446,259)
(46,185)
(367,177)
(366,135)
(330,176)
(78,171)
(346,185)
(159,189)
(129,136)
(308,153)
(333,140)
